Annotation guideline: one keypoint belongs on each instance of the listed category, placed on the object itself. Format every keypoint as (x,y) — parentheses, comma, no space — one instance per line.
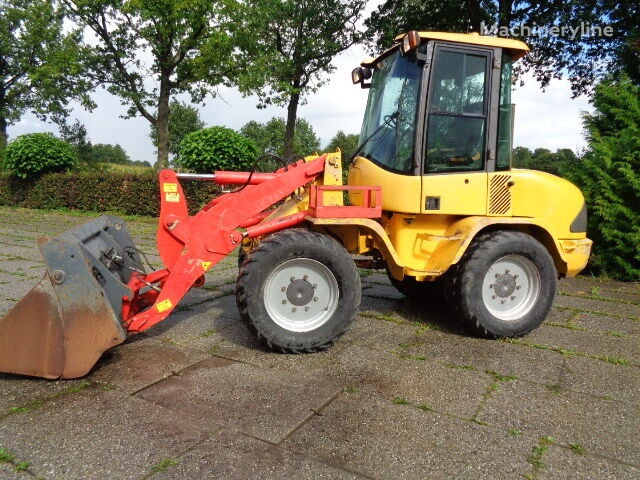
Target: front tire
(298,291)
(505,284)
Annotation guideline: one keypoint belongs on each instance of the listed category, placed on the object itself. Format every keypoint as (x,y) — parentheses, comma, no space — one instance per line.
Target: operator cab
(439,106)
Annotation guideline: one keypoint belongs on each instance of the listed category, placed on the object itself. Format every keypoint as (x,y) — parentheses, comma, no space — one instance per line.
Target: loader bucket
(65,323)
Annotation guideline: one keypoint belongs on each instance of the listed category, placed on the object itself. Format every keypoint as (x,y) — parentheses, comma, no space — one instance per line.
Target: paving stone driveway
(404,394)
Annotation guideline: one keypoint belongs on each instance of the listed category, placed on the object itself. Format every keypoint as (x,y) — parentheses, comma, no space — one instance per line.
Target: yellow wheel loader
(432,199)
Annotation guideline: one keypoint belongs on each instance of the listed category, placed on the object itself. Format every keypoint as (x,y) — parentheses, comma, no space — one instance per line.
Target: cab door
(456,125)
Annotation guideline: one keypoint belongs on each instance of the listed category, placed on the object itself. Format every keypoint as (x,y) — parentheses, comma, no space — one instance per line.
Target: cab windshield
(392,108)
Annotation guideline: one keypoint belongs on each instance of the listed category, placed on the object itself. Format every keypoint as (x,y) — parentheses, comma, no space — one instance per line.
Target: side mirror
(359,75)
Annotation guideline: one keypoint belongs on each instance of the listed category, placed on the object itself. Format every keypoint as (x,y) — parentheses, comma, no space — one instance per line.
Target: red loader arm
(190,246)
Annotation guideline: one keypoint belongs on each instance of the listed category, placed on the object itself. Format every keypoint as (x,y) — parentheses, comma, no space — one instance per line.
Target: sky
(549,119)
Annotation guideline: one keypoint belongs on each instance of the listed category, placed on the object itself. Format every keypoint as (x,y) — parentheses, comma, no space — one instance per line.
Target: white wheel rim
(301,295)
(511,287)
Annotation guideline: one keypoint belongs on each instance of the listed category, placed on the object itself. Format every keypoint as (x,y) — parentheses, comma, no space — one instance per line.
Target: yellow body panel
(425,245)
(541,195)
(428,242)
(458,193)
(401,193)
(516,46)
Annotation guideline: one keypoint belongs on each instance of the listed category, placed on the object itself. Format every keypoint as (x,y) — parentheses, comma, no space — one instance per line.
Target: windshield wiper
(387,121)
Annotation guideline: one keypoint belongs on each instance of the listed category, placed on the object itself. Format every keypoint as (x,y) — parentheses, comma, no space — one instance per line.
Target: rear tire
(504,285)
(298,291)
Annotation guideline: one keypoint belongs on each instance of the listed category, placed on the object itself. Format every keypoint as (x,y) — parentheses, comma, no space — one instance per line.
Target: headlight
(410,41)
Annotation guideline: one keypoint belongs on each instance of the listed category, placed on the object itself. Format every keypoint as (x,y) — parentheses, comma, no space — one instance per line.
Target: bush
(35,154)
(216,148)
(130,193)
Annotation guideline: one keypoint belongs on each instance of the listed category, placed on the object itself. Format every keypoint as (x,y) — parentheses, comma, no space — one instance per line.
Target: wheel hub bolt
(292,278)
(315,299)
(513,297)
(293,309)
(507,272)
(315,285)
(284,289)
(284,302)
(497,275)
(306,309)
(502,301)
(517,287)
(306,277)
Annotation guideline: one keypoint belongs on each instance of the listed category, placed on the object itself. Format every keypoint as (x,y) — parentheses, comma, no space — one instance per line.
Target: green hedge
(126,193)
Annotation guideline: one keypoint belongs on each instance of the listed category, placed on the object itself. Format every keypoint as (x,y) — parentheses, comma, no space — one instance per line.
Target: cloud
(549,119)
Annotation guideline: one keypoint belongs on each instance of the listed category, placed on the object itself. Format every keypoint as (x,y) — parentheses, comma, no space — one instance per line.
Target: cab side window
(457,112)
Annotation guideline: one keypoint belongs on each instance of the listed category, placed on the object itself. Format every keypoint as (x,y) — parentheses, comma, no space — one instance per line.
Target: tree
(544,159)
(186,42)
(584,57)
(76,135)
(285,47)
(183,119)
(347,143)
(41,63)
(609,175)
(105,153)
(626,50)
(521,157)
(269,137)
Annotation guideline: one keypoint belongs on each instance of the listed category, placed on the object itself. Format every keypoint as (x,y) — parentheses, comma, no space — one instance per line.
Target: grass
(386,317)
(425,408)
(5,456)
(515,432)
(577,448)
(36,404)
(209,333)
(566,351)
(553,388)
(537,455)
(17,274)
(499,377)
(574,327)
(597,296)
(365,272)
(461,367)
(406,356)
(164,465)
(598,312)
(479,422)
(77,388)
(350,389)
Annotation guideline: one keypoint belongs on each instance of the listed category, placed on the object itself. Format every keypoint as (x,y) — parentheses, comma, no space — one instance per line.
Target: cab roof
(516,47)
